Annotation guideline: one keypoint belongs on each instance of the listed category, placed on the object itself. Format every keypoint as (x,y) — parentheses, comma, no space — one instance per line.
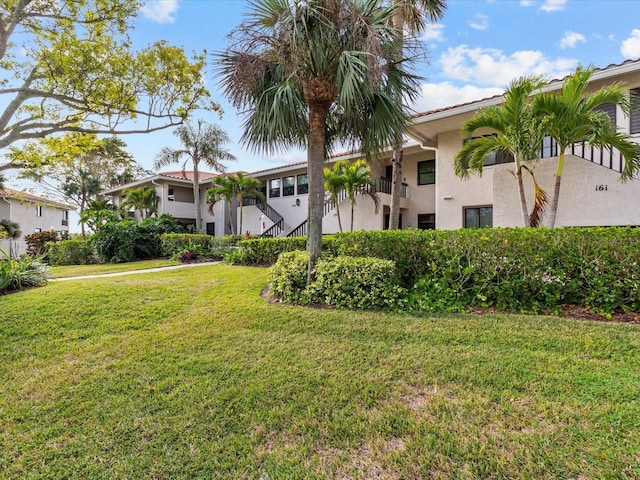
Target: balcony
(384,186)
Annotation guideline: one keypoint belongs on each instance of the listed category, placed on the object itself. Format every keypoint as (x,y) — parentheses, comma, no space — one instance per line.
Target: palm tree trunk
(196,196)
(352,204)
(398,151)
(396,188)
(335,201)
(315,160)
(556,190)
(523,199)
(233,228)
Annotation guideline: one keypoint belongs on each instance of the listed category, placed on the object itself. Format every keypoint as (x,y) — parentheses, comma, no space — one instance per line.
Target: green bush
(128,240)
(288,277)
(361,282)
(172,243)
(71,252)
(15,274)
(37,243)
(512,269)
(265,251)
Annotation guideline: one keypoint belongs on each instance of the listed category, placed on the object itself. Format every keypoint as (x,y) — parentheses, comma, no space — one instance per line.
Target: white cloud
(553,5)
(630,47)
(445,94)
(479,22)
(434,33)
(491,67)
(571,39)
(526,3)
(160,11)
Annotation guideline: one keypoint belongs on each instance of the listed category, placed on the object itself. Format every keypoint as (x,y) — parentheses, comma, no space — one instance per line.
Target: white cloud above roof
(630,47)
(571,39)
(479,22)
(492,67)
(445,94)
(160,11)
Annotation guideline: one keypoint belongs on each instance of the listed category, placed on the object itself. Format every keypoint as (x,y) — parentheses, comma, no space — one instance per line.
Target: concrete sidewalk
(135,272)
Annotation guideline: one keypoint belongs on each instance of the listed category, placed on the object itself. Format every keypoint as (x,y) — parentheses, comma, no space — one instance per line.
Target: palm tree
(224,188)
(202,144)
(82,187)
(310,73)
(358,181)
(12,232)
(517,131)
(409,17)
(144,200)
(334,184)
(571,116)
(245,187)
(98,213)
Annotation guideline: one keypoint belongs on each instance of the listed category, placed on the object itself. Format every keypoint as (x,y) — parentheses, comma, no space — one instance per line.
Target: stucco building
(433,196)
(33,214)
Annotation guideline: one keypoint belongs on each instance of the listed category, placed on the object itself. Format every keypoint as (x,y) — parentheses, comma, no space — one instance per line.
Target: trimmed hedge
(512,269)
(345,282)
(71,252)
(265,251)
(172,243)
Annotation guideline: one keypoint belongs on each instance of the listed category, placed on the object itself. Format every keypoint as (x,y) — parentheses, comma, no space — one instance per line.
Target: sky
(474,52)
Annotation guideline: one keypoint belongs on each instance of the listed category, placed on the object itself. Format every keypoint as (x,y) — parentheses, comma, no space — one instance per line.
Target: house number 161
(601,188)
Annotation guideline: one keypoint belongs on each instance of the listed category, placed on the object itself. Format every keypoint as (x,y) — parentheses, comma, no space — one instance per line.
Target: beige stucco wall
(589,195)
(24,213)
(453,194)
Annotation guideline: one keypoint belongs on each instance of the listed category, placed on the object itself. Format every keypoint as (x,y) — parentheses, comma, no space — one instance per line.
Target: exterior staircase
(278,226)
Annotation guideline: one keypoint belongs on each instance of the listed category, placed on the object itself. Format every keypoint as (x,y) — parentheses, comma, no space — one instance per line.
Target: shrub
(172,243)
(265,251)
(37,242)
(128,240)
(362,282)
(19,273)
(71,252)
(288,277)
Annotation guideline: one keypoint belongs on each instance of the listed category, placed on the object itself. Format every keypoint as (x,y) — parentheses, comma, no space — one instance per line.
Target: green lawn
(191,374)
(81,270)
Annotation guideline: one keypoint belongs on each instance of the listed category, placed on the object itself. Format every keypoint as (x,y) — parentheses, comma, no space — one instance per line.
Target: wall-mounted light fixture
(447,197)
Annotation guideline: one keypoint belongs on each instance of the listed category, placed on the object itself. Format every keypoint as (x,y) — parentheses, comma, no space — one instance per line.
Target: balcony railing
(384,186)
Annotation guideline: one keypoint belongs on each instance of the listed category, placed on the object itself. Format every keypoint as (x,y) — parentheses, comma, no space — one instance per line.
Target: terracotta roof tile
(11,193)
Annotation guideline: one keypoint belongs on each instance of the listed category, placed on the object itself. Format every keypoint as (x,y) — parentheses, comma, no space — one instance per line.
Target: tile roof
(11,193)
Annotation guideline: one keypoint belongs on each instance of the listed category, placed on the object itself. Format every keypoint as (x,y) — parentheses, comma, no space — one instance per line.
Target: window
(495,158)
(549,148)
(65,217)
(427,172)
(274,188)
(609,109)
(171,195)
(498,158)
(478,217)
(211,228)
(288,186)
(427,221)
(38,210)
(303,184)
(635,112)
